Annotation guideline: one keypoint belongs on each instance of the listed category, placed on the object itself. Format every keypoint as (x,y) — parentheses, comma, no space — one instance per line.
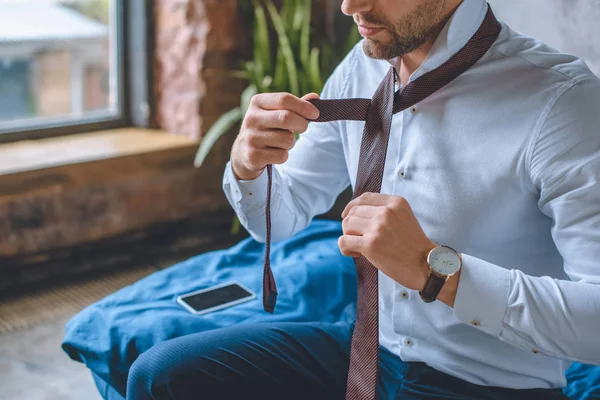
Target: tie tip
(269,306)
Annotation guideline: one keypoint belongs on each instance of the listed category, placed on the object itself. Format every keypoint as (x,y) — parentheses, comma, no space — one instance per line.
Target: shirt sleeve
(306,185)
(559,318)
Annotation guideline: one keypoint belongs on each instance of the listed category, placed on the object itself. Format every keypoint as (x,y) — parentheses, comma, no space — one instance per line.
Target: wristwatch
(443,262)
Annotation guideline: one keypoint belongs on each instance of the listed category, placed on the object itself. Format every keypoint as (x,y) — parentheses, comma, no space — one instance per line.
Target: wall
(197,43)
(571,26)
(139,195)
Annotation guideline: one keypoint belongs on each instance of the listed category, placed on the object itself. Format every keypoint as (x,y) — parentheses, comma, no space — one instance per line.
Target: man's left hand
(385,231)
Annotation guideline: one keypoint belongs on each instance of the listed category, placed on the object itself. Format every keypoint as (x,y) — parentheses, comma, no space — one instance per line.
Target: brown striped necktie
(377,114)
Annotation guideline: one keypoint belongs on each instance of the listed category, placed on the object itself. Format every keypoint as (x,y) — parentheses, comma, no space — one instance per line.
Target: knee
(149,368)
(168,370)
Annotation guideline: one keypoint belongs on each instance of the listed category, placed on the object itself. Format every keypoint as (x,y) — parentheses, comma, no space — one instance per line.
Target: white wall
(572,26)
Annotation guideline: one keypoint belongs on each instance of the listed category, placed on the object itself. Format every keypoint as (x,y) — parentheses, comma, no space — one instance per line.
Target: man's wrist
(448,293)
(425,266)
(244,174)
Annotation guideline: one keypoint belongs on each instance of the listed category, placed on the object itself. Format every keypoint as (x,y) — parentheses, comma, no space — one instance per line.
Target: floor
(34,367)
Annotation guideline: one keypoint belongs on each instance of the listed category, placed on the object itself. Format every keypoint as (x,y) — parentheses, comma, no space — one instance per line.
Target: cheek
(397,10)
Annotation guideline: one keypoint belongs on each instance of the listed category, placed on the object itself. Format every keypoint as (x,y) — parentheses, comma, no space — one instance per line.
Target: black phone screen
(216,297)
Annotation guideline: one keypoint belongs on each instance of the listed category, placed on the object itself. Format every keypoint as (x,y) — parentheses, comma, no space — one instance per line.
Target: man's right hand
(267,132)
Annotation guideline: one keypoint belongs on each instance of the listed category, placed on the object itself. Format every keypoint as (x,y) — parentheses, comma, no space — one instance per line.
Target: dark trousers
(307,361)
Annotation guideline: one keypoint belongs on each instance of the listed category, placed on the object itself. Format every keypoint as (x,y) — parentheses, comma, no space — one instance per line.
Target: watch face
(444,261)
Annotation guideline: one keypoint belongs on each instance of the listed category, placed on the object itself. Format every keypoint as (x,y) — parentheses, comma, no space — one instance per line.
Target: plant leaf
(304,81)
(314,72)
(280,80)
(219,128)
(287,12)
(305,35)
(255,76)
(262,44)
(298,15)
(247,95)
(251,71)
(238,74)
(285,48)
(290,18)
(235,225)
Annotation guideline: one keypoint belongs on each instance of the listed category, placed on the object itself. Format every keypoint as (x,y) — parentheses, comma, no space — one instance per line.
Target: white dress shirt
(503,165)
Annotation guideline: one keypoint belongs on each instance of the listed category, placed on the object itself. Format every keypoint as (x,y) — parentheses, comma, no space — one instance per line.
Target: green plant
(303,61)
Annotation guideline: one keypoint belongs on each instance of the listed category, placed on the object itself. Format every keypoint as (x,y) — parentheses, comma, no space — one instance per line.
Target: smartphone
(215,298)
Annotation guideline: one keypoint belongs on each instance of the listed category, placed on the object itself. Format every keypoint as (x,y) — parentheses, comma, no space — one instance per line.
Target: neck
(408,63)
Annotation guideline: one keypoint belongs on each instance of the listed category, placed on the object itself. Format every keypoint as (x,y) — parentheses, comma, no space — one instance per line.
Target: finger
(352,225)
(287,101)
(369,199)
(353,255)
(272,138)
(258,158)
(311,96)
(350,245)
(363,211)
(282,119)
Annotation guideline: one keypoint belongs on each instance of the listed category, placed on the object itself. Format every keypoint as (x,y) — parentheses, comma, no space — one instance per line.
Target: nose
(350,7)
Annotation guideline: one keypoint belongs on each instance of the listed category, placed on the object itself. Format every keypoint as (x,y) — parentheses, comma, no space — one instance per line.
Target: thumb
(311,96)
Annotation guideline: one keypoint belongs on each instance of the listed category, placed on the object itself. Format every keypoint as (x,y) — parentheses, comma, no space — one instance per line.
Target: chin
(376,49)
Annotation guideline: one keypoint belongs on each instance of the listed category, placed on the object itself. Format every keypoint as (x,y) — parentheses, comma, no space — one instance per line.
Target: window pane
(57,61)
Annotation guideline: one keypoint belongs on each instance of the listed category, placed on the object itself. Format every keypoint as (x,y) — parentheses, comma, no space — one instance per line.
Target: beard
(407,34)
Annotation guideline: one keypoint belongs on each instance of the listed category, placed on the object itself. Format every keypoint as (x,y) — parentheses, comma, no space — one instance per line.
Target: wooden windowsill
(31,155)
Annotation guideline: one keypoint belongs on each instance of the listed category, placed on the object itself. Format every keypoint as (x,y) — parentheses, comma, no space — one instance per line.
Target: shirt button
(535,351)
(475,322)
(414,109)
(408,342)
(404,295)
(402,173)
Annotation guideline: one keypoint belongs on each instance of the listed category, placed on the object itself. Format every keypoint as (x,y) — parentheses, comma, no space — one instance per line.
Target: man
(502,164)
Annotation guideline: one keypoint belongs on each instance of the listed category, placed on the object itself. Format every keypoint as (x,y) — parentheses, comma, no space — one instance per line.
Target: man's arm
(306,185)
(555,317)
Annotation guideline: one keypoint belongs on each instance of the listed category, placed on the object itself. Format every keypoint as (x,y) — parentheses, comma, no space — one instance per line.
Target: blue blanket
(315,282)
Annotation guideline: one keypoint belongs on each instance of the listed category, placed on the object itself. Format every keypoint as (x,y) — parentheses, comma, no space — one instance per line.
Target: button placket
(402,169)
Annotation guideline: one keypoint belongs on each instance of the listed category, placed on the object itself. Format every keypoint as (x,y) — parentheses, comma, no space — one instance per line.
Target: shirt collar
(459,29)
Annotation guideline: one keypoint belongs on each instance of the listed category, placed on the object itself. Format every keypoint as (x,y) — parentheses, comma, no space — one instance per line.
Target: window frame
(135,49)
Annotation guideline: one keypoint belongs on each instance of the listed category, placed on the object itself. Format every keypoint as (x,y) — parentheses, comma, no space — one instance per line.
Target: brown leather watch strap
(432,287)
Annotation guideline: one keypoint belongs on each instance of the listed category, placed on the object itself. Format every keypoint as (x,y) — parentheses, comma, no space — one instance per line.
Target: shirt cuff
(247,192)
(482,296)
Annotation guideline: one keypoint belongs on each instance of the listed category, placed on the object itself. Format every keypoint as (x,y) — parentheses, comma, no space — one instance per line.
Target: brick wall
(197,42)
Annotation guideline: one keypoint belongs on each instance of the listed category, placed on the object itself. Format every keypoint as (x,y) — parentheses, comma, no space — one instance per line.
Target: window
(62,65)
